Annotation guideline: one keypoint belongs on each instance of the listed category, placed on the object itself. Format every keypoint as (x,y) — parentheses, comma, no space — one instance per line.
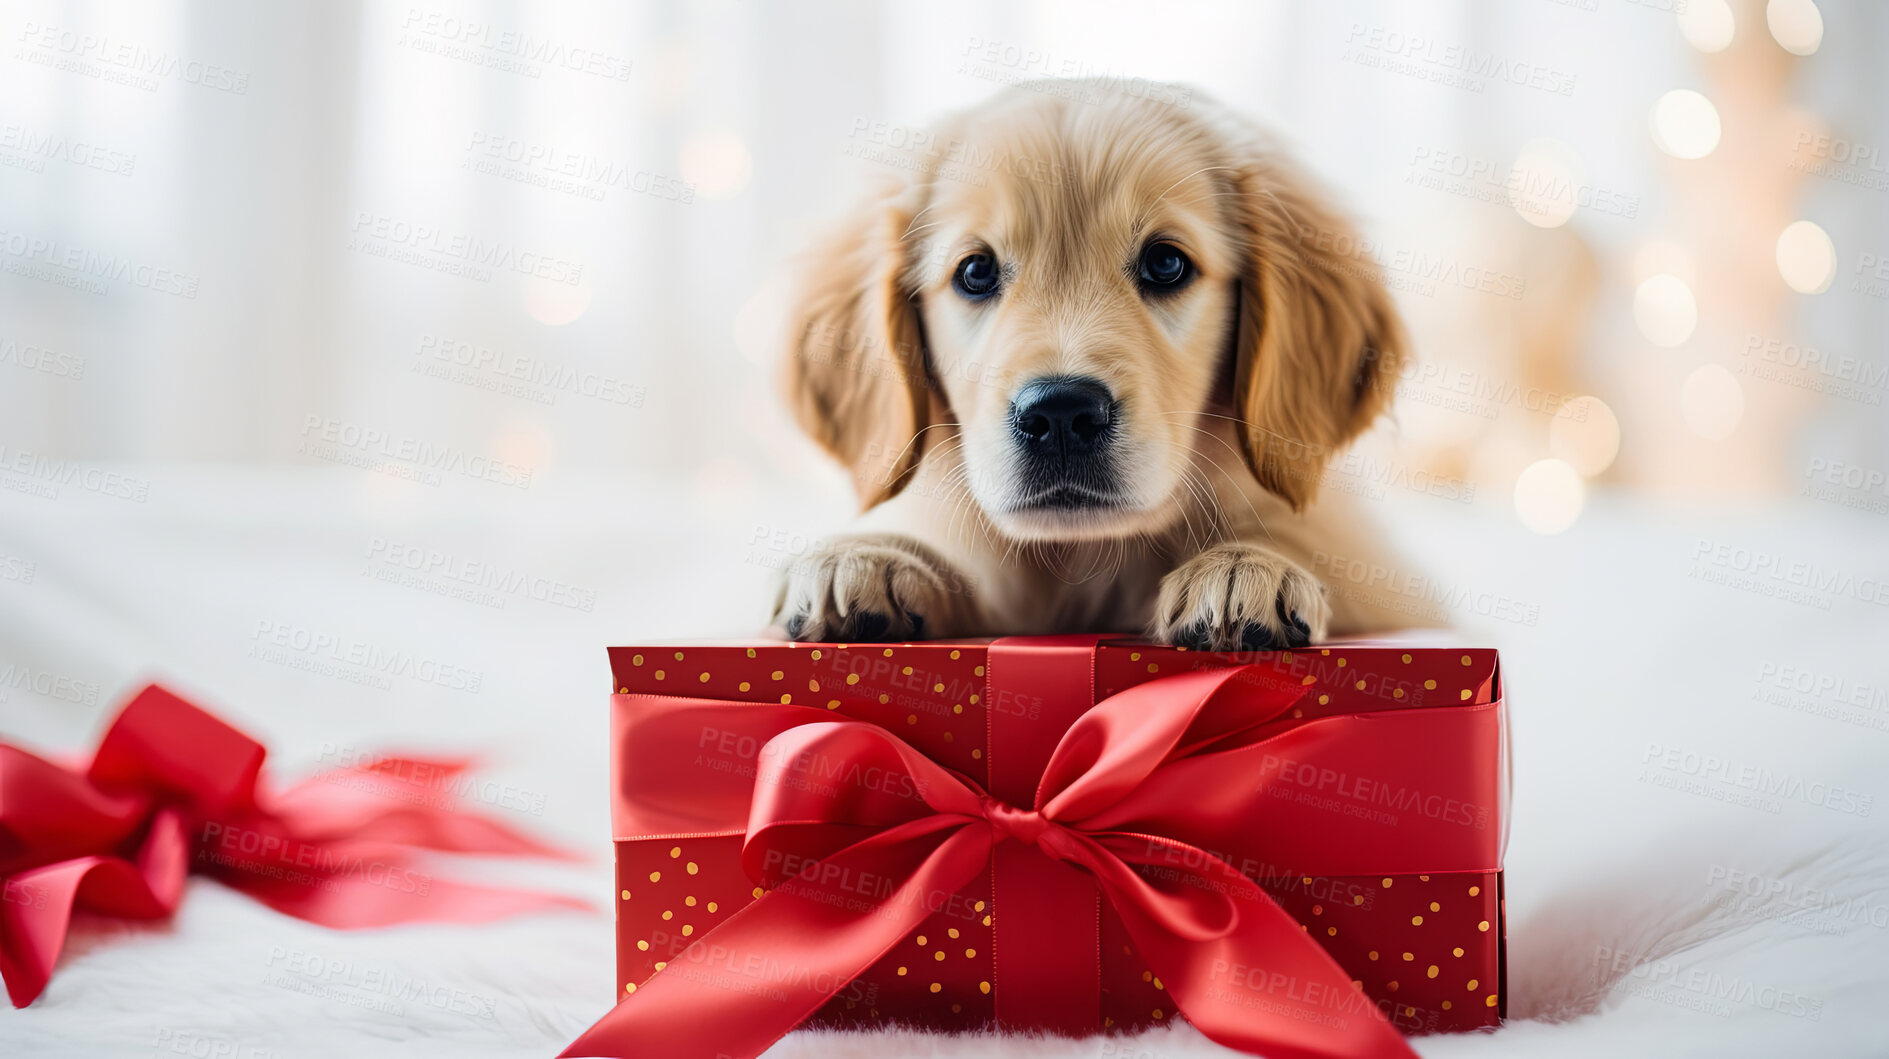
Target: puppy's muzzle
(1063,427)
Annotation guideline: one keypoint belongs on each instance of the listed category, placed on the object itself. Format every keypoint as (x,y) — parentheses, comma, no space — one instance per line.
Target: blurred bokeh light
(1593,267)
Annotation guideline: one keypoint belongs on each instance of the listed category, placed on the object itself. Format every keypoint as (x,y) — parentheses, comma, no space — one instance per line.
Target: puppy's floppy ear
(856,376)
(1319,344)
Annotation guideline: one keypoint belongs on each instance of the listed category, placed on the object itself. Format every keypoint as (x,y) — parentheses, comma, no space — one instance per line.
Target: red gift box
(1034,833)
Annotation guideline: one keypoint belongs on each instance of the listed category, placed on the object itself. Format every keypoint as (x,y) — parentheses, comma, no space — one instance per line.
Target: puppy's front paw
(872,589)
(1239,597)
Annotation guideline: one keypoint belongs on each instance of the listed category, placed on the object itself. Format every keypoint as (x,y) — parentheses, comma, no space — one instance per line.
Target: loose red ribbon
(174,789)
(1153,777)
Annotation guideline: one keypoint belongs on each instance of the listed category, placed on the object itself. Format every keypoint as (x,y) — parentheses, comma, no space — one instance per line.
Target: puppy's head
(1061,295)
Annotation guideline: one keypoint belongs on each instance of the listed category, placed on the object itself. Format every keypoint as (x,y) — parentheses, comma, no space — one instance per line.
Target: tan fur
(856,379)
(1307,299)
(1233,393)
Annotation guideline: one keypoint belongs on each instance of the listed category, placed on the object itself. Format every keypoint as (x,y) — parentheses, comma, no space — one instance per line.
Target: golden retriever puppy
(1086,362)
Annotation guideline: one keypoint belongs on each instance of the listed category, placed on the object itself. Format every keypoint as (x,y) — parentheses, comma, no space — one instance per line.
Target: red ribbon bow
(1152,777)
(174,789)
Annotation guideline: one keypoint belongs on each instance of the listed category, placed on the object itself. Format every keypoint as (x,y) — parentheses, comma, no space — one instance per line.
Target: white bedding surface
(1634,650)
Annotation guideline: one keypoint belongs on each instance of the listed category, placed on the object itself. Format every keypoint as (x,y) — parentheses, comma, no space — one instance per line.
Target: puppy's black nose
(1065,414)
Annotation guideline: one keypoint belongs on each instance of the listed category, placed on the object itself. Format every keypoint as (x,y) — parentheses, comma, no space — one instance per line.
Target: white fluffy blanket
(1682,880)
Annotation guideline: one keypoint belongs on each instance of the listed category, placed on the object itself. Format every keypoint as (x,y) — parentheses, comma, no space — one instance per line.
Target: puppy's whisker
(1235,482)
(1205,415)
(916,228)
(1209,505)
(1286,214)
(1224,473)
(1140,220)
(954,487)
(912,226)
(1193,489)
(1215,464)
(1196,198)
(1209,501)
(899,457)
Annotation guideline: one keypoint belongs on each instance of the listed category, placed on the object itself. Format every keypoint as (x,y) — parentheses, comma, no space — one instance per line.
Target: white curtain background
(234,243)
(273,140)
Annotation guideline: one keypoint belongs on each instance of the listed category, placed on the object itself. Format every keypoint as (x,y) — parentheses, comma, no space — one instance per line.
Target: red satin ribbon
(1153,777)
(1035,689)
(173,789)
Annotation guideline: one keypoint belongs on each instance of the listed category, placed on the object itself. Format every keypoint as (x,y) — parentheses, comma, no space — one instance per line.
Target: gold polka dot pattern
(932,695)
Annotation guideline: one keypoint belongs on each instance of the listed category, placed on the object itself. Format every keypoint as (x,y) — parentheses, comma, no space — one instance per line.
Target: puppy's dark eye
(976,277)
(1164,268)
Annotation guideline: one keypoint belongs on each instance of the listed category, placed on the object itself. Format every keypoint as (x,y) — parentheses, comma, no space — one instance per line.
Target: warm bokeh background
(365,369)
(1641,217)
